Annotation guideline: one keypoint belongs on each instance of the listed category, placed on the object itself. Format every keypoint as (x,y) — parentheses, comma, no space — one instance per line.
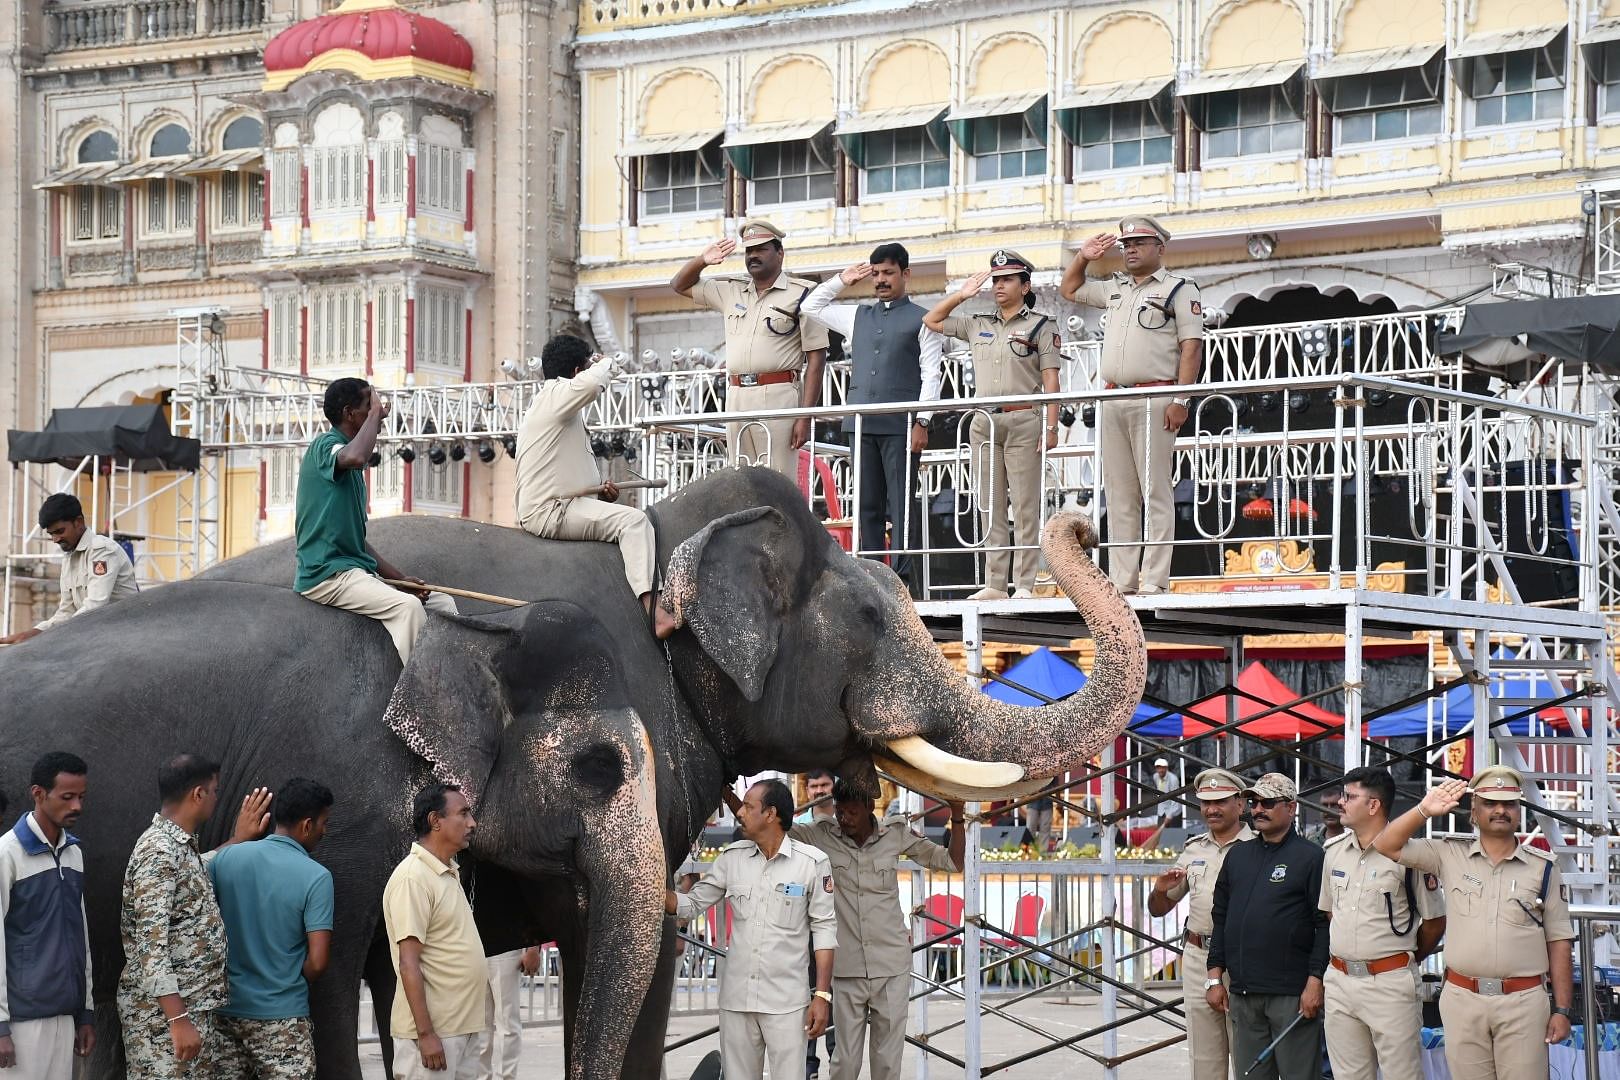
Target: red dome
(377,30)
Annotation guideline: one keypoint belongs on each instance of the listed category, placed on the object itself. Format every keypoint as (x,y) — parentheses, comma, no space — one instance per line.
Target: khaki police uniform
(766,342)
(1494,1004)
(1004,367)
(1208,1032)
(554,463)
(781,913)
(94,574)
(1141,347)
(1372,1012)
(872,971)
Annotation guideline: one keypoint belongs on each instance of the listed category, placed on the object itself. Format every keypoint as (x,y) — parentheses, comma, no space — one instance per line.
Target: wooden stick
(622,485)
(490,598)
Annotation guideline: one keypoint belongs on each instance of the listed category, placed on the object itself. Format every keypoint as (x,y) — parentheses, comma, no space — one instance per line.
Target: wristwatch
(824,995)
(1567,1014)
(1210,984)
(1182,401)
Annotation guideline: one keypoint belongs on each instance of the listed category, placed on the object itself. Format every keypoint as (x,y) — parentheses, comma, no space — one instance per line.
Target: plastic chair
(1026,925)
(942,913)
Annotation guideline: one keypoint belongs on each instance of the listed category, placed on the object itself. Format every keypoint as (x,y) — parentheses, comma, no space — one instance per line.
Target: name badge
(987,335)
(741,308)
(793,889)
(1196,862)
(1338,873)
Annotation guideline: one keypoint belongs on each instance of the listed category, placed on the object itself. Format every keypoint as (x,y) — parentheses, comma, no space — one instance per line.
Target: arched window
(171,140)
(243,133)
(337,161)
(98,146)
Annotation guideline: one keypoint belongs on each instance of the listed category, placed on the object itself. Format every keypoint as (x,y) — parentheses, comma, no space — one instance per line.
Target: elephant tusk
(946,790)
(949,768)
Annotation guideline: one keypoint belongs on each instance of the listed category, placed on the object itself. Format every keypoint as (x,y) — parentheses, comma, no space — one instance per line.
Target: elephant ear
(731,583)
(450,704)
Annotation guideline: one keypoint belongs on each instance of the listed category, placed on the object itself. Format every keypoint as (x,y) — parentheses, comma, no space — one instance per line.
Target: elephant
(593,752)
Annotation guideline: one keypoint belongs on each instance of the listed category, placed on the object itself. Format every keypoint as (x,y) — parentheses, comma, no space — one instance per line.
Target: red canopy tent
(1261,690)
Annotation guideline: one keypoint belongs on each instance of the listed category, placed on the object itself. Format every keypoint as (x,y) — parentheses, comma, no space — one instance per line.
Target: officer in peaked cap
(774,355)
(1507,929)
(1193,876)
(1152,336)
(1015,353)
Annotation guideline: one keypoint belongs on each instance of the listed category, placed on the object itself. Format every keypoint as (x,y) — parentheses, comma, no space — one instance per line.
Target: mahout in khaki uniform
(1015,352)
(1507,930)
(1193,876)
(95,570)
(1153,336)
(774,355)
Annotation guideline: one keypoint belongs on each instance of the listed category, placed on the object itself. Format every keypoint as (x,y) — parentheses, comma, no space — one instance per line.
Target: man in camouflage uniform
(173,936)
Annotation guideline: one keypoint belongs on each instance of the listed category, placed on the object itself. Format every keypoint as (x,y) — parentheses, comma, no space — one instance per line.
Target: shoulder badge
(1563,893)
(1197,308)
(1431,882)
(826,883)
(99,567)
(1057,341)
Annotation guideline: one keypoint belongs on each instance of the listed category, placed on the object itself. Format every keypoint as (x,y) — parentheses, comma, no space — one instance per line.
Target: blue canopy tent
(1052,676)
(1454,712)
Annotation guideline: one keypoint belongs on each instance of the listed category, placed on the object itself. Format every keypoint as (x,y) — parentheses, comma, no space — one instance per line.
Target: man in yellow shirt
(441,1012)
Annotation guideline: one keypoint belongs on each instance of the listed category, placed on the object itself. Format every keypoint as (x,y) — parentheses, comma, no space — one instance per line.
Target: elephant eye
(598,768)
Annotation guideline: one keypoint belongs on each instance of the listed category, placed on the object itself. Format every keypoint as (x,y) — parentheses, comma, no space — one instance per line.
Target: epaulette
(736,844)
(1538,853)
(1341,838)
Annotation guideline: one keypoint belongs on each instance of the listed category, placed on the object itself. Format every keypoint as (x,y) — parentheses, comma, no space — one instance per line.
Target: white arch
(1226,292)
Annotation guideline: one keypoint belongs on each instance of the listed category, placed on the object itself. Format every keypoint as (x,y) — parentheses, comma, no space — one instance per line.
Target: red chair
(837,524)
(1026,925)
(942,913)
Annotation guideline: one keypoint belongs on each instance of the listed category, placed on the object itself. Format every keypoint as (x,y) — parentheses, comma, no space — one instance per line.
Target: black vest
(885,363)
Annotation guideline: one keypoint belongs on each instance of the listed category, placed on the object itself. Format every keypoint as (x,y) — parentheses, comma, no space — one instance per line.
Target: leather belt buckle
(1488,987)
(1357,968)
(749,379)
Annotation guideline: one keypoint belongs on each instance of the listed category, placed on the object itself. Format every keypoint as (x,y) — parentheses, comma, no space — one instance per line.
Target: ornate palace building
(1311,157)
(359,188)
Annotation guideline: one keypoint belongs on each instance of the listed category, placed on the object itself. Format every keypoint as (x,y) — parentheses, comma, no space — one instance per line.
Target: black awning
(136,435)
(1580,328)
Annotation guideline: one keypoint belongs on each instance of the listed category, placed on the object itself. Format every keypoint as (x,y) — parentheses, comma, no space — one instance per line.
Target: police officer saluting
(1154,337)
(95,570)
(1194,875)
(774,355)
(1015,352)
(1508,927)
(1385,918)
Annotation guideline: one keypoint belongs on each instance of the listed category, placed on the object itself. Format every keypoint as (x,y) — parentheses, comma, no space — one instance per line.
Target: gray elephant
(593,752)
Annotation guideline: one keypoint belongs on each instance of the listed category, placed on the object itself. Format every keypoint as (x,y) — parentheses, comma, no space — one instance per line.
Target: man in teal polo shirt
(336,566)
(277,905)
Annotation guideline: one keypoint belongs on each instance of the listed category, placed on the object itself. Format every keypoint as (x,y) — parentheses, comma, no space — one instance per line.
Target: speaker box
(995,837)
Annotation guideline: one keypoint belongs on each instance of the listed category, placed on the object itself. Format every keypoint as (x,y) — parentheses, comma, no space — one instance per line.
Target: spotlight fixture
(1270,401)
(599,448)
(407,453)
(616,446)
(510,442)
(1066,416)
(1088,415)
(1073,324)
(486,452)
(458,451)
(1313,343)
(374,460)
(1379,398)
(1299,401)
(513,369)
(1083,496)
(436,454)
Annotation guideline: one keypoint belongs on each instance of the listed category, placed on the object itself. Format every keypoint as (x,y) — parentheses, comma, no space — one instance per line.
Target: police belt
(1361,969)
(1133,386)
(1197,941)
(767,378)
(1494,987)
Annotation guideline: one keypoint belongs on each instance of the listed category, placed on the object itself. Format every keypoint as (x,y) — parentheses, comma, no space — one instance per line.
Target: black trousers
(888,493)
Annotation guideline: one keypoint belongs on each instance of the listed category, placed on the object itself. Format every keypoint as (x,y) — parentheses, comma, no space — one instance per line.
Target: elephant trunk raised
(945,736)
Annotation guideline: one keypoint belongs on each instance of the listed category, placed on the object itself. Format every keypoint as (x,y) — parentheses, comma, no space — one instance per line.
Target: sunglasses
(1269,804)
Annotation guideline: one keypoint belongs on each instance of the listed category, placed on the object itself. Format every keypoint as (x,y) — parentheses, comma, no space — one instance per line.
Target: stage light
(599,448)
(407,453)
(1088,415)
(1379,398)
(1299,401)
(486,452)
(458,452)
(510,442)
(513,369)
(1066,416)
(436,454)
(1269,401)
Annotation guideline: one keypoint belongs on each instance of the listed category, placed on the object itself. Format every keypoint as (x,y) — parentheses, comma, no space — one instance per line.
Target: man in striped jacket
(45,1008)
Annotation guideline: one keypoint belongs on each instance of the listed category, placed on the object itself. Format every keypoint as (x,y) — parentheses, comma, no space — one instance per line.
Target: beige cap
(1273,785)
(1498,784)
(1161,761)
(1007,261)
(757,231)
(1212,785)
(1142,225)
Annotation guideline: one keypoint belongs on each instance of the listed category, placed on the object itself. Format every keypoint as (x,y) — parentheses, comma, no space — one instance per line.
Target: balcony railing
(126,22)
(600,16)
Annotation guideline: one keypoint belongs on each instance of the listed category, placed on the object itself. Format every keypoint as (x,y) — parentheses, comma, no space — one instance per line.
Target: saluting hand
(855,273)
(1170,879)
(970,288)
(1095,247)
(1444,798)
(379,406)
(717,252)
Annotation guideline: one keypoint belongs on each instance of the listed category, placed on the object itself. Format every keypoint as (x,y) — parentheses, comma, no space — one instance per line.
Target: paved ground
(543,1056)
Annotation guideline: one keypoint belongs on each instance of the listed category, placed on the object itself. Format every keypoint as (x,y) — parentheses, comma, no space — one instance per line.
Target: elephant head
(527,712)
(811,656)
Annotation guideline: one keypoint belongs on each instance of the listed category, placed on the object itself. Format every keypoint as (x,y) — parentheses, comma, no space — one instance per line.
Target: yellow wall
(1379,24)
(1121,49)
(677,102)
(1008,65)
(912,73)
(1249,32)
(789,89)
(1496,16)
